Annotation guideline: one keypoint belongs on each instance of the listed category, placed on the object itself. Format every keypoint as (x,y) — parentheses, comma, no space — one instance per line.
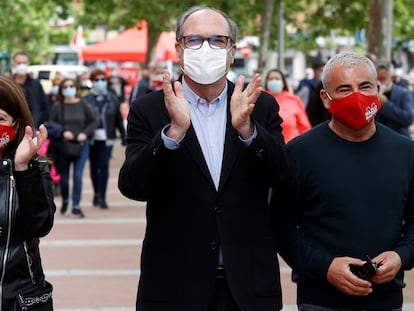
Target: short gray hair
(181,20)
(346,59)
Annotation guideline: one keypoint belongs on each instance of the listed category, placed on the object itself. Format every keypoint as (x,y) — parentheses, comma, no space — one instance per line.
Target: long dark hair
(13,101)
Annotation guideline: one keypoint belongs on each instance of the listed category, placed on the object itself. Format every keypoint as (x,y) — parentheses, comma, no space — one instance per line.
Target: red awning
(129,45)
(165,48)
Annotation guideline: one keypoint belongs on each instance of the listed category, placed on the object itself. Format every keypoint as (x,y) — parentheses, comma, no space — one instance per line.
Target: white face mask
(55,89)
(21,69)
(69,92)
(205,65)
(275,85)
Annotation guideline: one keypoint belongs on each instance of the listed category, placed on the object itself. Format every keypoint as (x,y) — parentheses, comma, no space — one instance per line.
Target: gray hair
(181,20)
(346,59)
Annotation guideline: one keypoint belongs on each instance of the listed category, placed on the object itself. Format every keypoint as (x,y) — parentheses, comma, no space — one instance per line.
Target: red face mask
(355,110)
(7,135)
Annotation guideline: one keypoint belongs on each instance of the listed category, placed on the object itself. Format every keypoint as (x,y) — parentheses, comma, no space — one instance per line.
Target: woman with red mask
(27,208)
(292,111)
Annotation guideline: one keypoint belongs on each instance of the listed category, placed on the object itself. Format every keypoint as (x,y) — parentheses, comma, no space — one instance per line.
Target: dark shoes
(95,201)
(76,212)
(64,208)
(98,201)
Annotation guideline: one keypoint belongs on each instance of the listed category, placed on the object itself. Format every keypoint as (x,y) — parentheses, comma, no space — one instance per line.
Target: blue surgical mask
(275,85)
(69,91)
(100,85)
(55,89)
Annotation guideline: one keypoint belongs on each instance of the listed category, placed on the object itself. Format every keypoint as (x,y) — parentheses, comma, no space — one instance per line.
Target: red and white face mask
(7,135)
(356,110)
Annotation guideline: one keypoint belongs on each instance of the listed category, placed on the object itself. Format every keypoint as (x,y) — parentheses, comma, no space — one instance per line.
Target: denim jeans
(99,157)
(310,307)
(78,166)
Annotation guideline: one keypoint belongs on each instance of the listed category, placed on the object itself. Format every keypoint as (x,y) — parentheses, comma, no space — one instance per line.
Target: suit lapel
(231,144)
(192,145)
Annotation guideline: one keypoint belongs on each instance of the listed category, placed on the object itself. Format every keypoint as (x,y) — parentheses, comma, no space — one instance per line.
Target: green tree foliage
(26,25)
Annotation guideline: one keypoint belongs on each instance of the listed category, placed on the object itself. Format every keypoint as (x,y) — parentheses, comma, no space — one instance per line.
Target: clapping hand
(242,104)
(29,146)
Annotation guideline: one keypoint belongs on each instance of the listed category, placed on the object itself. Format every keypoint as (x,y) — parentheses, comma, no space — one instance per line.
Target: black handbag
(71,148)
(37,300)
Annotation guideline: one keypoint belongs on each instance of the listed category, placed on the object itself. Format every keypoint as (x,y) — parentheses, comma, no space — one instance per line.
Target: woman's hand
(29,146)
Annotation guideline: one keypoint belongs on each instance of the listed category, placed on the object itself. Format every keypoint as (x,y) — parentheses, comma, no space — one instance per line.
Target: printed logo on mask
(4,140)
(8,134)
(370,112)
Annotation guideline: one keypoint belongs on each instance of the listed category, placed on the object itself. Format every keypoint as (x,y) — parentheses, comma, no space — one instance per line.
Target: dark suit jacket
(188,220)
(397,112)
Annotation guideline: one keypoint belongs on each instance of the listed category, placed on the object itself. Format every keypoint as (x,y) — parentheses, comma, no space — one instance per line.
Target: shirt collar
(195,100)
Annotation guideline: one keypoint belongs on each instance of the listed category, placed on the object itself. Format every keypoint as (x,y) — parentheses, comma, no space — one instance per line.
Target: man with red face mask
(345,225)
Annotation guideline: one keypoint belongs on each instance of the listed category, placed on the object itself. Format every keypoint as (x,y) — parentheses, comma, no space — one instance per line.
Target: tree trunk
(265,34)
(380,28)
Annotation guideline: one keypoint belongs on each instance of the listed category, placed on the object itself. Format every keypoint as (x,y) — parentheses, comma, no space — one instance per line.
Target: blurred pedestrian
(107,109)
(79,122)
(117,85)
(397,111)
(33,90)
(83,84)
(27,206)
(345,225)
(54,92)
(308,84)
(295,119)
(203,153)
(143,84)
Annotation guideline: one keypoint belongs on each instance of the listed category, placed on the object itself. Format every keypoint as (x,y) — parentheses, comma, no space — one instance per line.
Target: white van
(45,73)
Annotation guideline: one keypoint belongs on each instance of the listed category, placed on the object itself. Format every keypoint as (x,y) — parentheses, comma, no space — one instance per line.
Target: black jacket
(26,214)
(188,220)
(111,115)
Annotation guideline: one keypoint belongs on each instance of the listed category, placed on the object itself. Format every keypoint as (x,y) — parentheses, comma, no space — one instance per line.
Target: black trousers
(222,298)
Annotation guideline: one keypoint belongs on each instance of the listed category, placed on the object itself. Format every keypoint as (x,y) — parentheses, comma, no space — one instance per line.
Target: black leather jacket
(26,214)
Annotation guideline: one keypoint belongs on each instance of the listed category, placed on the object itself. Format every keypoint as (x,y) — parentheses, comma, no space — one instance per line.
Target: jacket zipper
(6,250)
(29,262)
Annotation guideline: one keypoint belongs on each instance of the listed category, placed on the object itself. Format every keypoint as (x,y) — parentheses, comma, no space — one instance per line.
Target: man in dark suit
(397,102)
(203,153)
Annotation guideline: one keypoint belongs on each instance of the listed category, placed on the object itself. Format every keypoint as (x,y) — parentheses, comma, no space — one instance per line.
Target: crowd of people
(84,110)
(232,174)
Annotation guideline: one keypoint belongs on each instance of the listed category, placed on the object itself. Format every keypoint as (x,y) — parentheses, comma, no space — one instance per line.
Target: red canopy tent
(165,48)
(129,45)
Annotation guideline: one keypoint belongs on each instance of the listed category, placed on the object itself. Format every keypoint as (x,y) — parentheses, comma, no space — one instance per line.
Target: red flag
(78,41)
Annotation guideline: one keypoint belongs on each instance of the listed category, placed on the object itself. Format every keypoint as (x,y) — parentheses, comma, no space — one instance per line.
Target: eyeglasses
(100,79)
(195,42)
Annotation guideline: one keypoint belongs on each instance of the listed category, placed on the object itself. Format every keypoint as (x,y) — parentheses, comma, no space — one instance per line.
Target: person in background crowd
(54,93)
(203,154)
(107,109)
(48,148)
(143,85)
(295,119)
(155,79)
(117,85)
(397,76)
(33,90)
(397,111)
(27,205)
(83,84)
(79,123)
(346,223)
(309,83)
